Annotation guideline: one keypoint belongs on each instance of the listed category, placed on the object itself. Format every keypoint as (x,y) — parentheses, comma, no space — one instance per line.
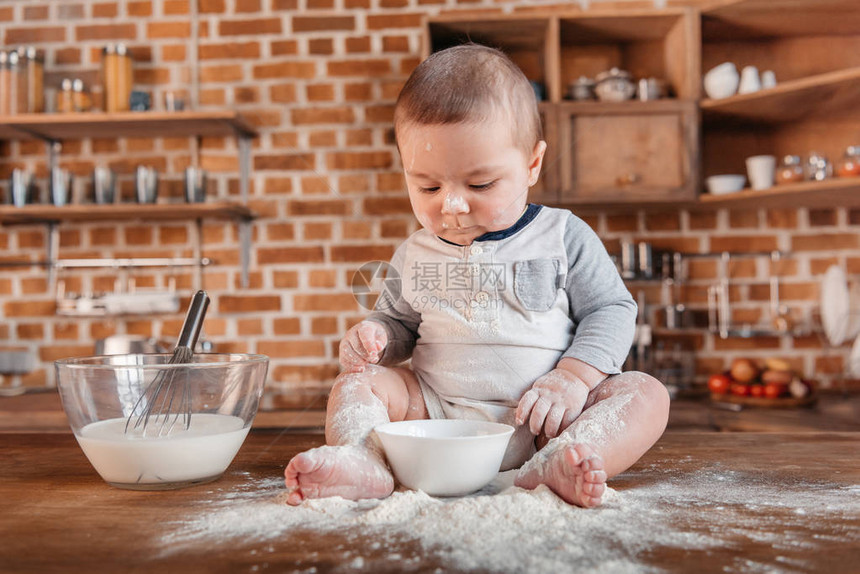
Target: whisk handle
(193,320)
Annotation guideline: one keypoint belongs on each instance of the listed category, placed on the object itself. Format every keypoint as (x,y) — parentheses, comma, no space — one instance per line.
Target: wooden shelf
(841,192)
(752,19)
(834,92)
(55,127)
(11,215)
(665,105)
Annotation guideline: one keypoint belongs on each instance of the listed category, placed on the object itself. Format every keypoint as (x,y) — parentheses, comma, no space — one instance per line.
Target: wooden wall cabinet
(627,153)
(602,152)
(659,153)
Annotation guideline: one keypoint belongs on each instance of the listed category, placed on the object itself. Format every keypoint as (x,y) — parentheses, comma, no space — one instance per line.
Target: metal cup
(646,263)
(20,187)
(195,185)
(61,186)
(146,184)
(104,185)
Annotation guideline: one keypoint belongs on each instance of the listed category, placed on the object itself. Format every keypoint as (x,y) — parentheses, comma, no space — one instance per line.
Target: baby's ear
(536,161)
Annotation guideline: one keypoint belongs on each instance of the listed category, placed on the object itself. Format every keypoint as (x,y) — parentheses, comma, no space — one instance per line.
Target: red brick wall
(318,79)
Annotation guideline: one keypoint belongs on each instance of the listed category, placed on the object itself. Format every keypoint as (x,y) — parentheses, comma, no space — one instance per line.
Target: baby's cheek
(424,220)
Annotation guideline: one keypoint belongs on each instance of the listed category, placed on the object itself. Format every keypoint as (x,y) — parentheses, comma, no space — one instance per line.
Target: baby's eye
(483,186)
(428,189)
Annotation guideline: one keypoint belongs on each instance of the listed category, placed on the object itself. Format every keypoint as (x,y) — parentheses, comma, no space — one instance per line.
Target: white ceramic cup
(750,81)
(760,170)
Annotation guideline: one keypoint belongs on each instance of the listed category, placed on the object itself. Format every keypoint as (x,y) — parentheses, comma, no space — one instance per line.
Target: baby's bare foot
(353,472)
(574,472)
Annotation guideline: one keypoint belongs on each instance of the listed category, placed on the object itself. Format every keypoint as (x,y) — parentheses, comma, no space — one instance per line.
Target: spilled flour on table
(508,529)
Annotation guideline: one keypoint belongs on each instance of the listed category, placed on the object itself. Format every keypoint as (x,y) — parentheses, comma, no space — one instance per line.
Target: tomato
(756,390)
(719,384)
(774,390)
(740,389)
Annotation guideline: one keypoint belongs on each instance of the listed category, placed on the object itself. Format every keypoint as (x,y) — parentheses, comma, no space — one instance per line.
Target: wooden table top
(764,501)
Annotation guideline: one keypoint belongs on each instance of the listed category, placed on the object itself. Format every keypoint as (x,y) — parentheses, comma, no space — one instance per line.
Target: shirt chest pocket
(536,282)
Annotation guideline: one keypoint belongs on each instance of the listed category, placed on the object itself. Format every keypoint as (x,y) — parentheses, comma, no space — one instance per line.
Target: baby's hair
(470,83)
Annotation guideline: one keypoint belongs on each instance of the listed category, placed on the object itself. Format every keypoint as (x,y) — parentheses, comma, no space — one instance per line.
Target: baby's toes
(573,459)
(595,476)
(593,489)
(591,501)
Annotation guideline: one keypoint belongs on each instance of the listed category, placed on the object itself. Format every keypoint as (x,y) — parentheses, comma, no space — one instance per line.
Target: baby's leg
(353,466)
(622,418)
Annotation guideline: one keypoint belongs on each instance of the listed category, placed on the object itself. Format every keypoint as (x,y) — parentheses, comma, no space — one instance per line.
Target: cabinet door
(620,153)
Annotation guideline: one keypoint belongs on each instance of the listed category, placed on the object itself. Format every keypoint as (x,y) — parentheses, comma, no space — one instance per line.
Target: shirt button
(476,250)
(475,269)
(482,296)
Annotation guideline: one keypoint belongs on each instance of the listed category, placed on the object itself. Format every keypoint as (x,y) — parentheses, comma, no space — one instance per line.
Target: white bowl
(722,81)
(729,183)
(445,457)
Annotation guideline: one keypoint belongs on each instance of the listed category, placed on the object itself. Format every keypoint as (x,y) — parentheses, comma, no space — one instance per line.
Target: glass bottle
(117,77)
(790,170)
(849,165)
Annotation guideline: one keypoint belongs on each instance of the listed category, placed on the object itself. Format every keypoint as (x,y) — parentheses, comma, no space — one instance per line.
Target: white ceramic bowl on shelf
(445,457)
(722,81)
(727,183)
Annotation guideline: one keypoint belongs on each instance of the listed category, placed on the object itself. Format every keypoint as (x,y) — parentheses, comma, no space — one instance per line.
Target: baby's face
(465,180)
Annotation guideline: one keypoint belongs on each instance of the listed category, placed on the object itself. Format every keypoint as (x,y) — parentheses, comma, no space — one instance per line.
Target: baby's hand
(553,402)
(362,344)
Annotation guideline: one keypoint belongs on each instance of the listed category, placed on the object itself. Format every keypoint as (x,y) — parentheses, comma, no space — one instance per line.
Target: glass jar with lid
(81,100)
(10,89)
(790,170)
(818,167)
(849,165)
(116,77)
(5,84)
(32,64)
(65,97)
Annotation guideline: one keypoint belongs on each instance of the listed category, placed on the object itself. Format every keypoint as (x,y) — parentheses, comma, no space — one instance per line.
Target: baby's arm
(557,398)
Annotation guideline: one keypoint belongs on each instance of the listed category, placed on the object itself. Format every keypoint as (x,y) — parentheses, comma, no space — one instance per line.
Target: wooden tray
(779,403)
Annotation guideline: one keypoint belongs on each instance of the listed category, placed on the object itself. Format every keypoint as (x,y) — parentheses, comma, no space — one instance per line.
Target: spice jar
(81,100)
(849,165)
(818,167)
(32,65)
(65,97)
(117,77)
(790,170)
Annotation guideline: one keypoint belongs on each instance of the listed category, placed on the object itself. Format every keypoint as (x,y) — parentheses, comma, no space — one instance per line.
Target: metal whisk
(167,400)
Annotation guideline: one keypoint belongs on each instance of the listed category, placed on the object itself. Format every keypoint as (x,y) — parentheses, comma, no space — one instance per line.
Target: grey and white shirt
(483,322)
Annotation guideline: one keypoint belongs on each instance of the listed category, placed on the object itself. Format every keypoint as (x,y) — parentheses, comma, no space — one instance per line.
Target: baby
(511,312)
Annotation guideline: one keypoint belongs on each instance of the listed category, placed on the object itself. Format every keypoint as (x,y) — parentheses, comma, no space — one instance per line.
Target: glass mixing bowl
(104,398)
